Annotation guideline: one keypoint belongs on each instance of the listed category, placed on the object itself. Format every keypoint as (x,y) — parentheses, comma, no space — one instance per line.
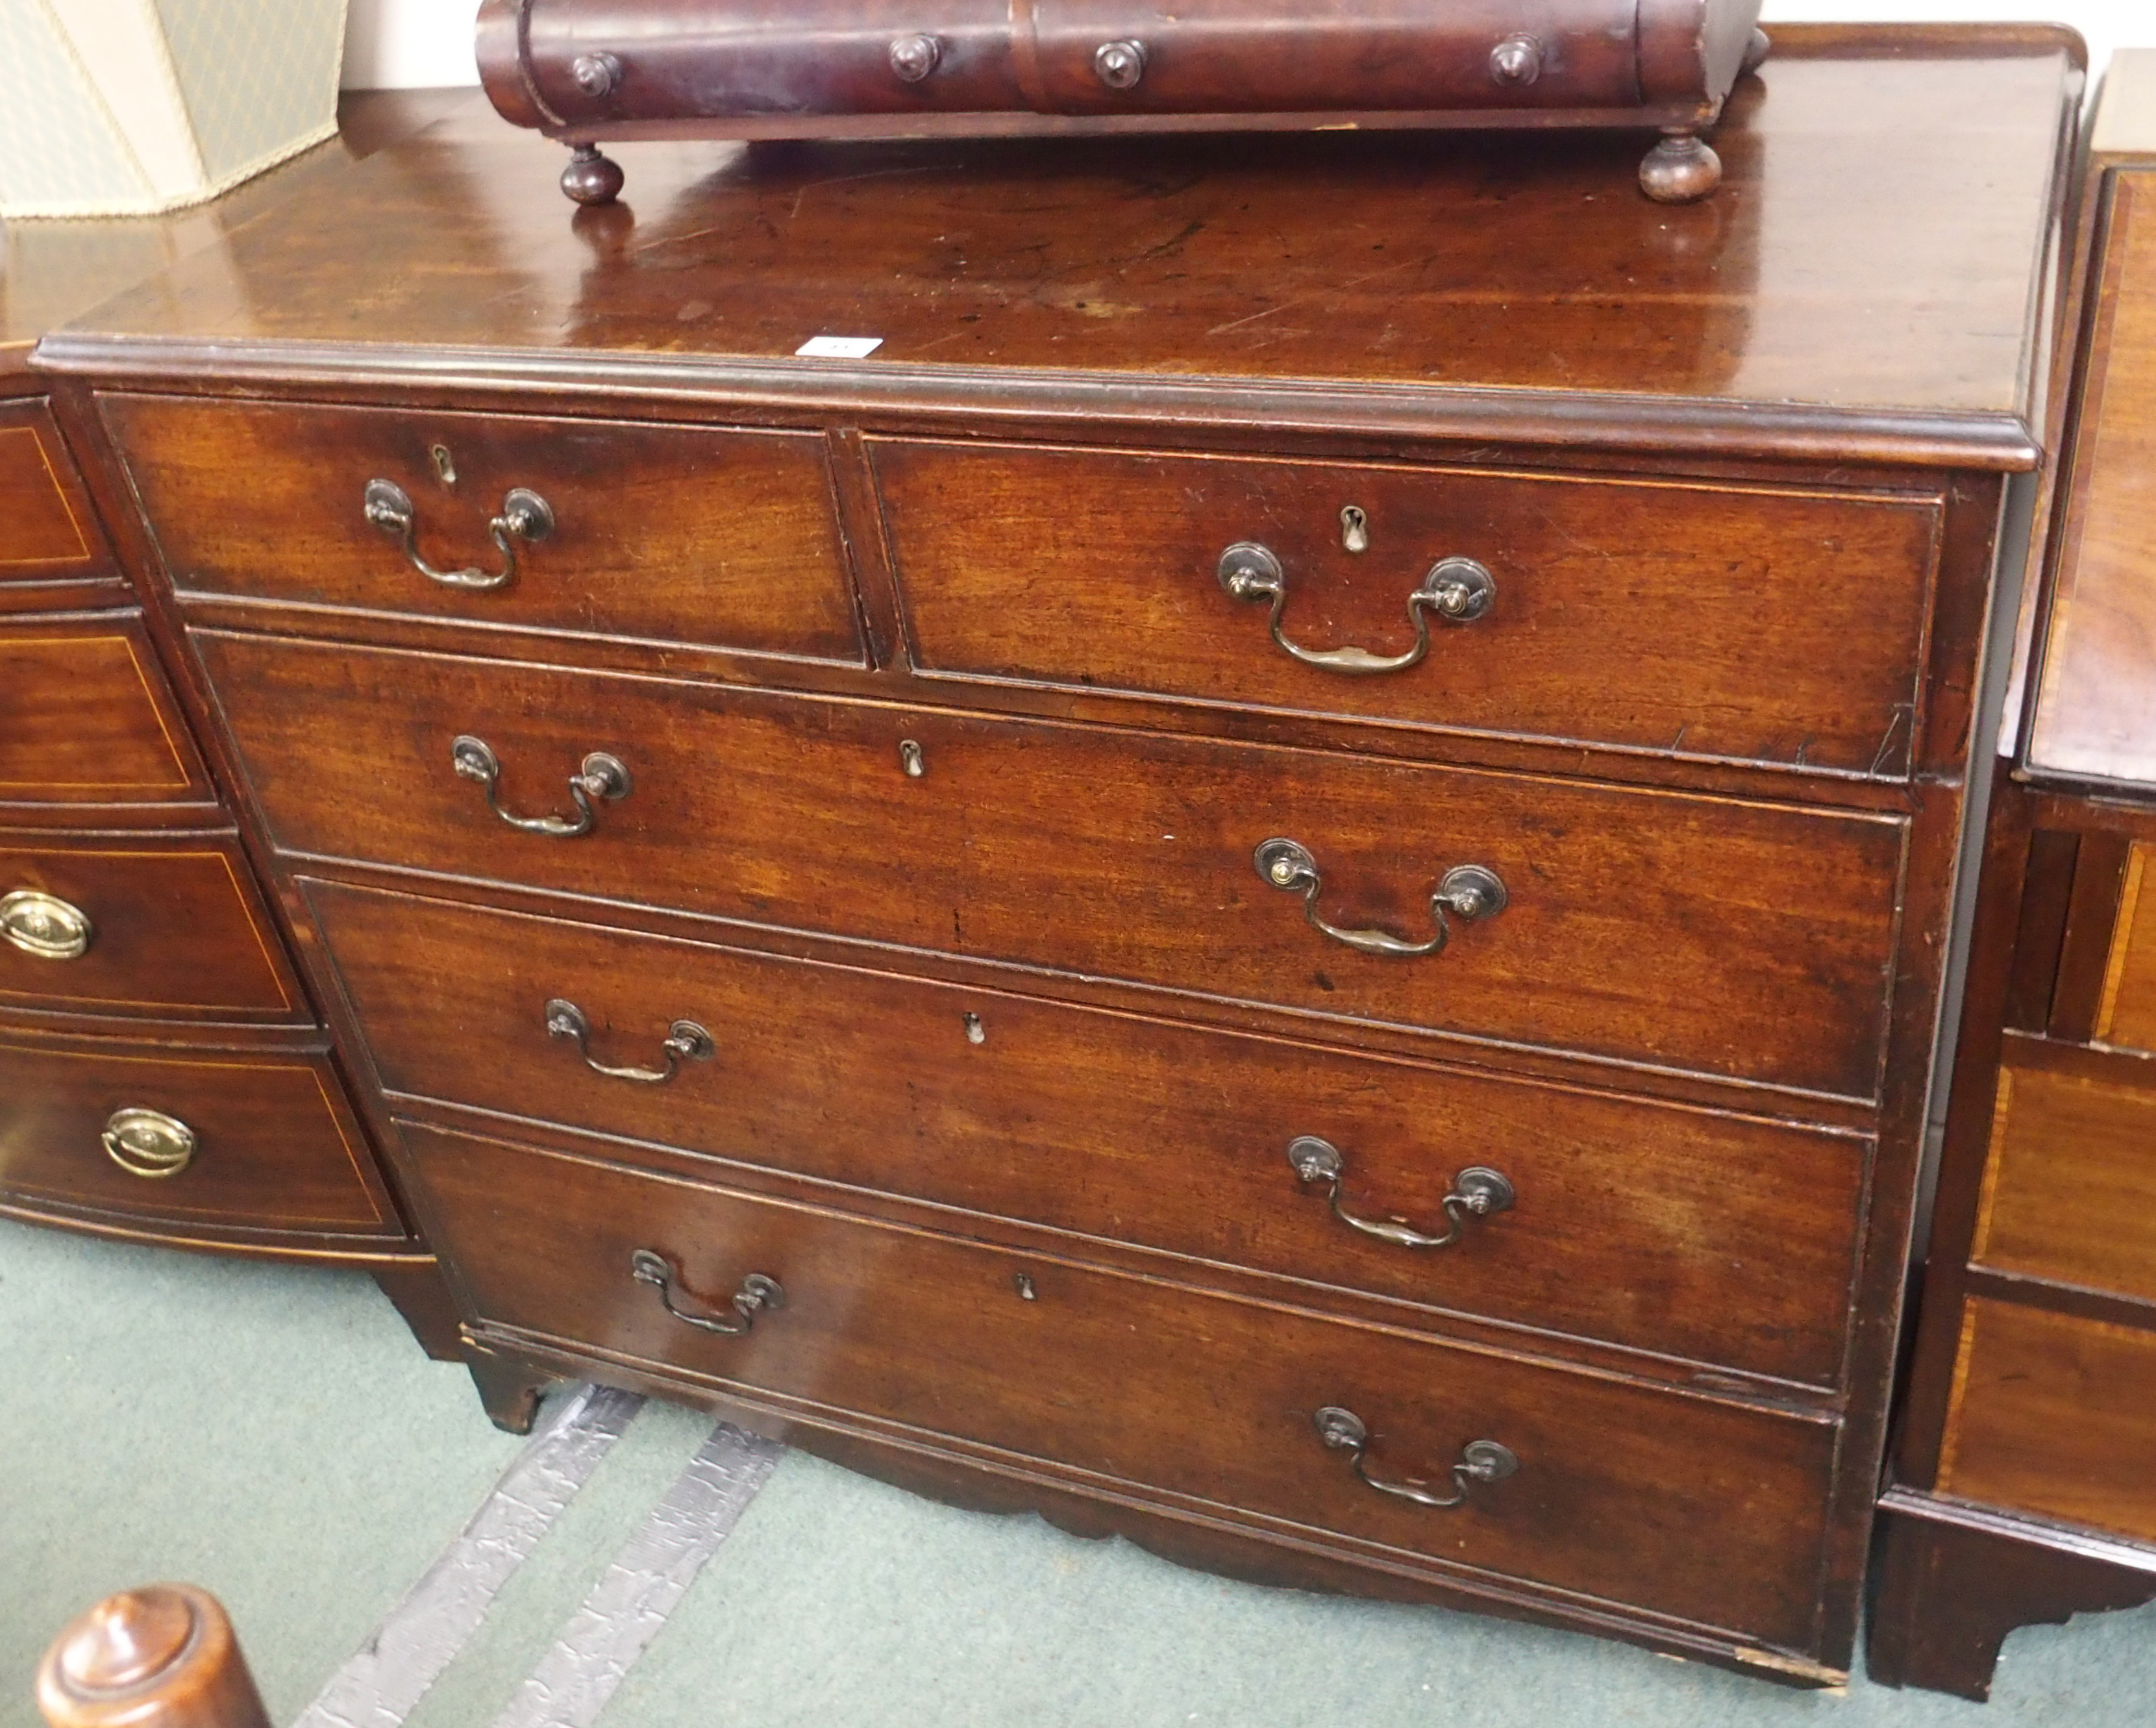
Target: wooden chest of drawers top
(2095,708)
(1844,296)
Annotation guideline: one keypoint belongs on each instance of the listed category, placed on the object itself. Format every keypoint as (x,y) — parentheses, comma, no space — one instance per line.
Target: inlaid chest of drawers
(1279,882)
(164,1075)
(2023,1477)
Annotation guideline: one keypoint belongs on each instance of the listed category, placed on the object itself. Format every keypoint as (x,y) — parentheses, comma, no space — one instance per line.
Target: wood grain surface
(279,1150)
(1748,941)
(1100,1372)
(86,716)
(178,930)
(1497,285)
(2050,1416)
(2096,700)
(2070,1188)
(665,534)
(1726,1239)
(1754,623)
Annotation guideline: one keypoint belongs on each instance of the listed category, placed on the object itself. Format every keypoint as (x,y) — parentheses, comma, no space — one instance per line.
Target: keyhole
(976,1033)
(910,759)
(1026,1292)
(1355,529)
(446,466)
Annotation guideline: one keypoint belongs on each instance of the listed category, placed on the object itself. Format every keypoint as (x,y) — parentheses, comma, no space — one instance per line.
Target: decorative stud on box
(129,107)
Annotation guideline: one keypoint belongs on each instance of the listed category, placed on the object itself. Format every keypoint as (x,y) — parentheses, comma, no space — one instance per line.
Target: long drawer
(1701,1510)
(260,1142)
(2051,1415)
(1753,623)
(1724,937)
(42,514)
(663,533)
(85,717)
(1722,1239)
(2069,1183)
(149,926)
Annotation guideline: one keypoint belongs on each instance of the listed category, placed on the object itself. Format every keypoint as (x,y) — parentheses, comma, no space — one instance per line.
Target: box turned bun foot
(592,177)
(1681,169)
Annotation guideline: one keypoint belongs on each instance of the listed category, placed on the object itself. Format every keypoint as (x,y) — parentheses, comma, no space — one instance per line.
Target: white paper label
(838,347)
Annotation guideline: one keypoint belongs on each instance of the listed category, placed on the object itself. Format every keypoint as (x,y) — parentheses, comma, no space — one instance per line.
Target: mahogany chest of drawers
(2024,1470)
(1279,882)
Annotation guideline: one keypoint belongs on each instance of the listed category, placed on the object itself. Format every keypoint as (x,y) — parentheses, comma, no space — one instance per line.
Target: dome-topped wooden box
(587,71)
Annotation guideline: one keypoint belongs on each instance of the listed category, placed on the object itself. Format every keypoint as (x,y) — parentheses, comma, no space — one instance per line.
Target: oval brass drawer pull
(1468,892)
(1479,1461)
(601,776)
(758,1295)
(685,1041)
(526,517)
(1477,1192)
(1457,589)
(45,925)
(149,1142)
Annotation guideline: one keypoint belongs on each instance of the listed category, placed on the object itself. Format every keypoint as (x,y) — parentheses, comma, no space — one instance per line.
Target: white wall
(410,44)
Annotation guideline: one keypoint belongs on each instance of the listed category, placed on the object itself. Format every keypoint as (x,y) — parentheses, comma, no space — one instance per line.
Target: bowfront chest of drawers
(165,1075)
(1279,882)
(2024,1481)
(162,1074)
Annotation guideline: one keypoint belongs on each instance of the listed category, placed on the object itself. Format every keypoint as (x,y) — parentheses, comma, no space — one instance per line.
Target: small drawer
(150,927)
(1621,1491)
(668,534)
(46,529)
(2054,1415)
(85,717)
(1744,623)
(1724,937)
(1678,1232)
(216,1139)
(2070,1190)
(2125,1011)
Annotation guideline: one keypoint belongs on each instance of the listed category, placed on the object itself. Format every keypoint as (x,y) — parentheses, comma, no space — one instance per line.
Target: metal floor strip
(600,1643)
(419,1637)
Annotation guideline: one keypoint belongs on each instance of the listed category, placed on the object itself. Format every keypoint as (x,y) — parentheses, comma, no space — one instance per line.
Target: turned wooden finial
(161,1657)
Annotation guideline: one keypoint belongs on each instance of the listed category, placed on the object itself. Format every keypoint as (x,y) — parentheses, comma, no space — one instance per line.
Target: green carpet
(274,1435)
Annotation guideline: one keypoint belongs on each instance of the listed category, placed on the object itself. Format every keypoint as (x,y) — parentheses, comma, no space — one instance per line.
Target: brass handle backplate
(1457,589)
(757,1294)
(1467,891)
(45,925)
(601,776)
(1477,1192)
(1479,1460)
(149,1142)
(526,519)
(685,1041)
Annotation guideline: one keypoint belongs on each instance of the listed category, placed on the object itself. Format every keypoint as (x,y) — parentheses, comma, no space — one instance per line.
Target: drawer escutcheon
(45,925)
(149,1143)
